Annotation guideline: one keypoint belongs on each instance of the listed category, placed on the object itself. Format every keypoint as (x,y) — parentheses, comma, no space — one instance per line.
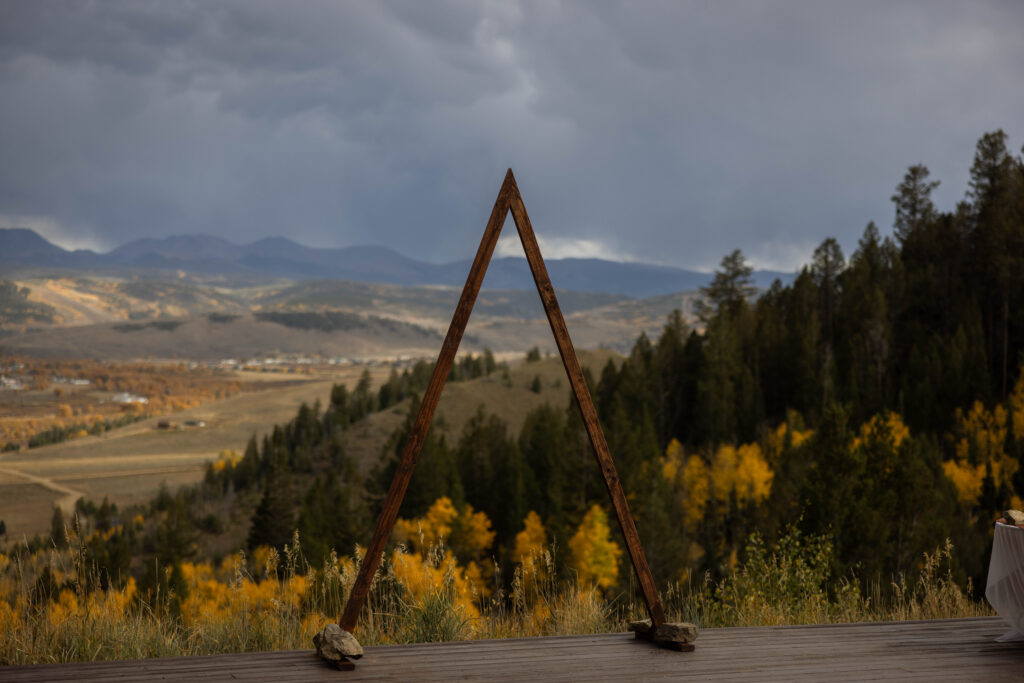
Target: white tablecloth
(1005,586)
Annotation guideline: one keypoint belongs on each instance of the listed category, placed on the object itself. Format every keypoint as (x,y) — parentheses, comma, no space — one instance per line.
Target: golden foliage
(432,529)
(421,577)
(982,434)
(595,556)
(472,534)
(413,598)
(889,428)
(169,387)
(673,461)
(226,460)
(980,445)
(966,478)
(468,532)
(785,435)
(696,490)
(743,470)
(531,540)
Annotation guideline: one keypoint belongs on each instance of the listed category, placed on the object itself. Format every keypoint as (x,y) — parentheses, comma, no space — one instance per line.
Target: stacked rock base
(337,647)
(673,636)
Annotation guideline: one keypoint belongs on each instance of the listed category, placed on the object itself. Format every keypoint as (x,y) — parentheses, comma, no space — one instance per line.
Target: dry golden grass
(272,602)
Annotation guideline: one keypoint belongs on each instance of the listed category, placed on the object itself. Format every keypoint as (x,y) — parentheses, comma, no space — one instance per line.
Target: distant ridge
(281,257)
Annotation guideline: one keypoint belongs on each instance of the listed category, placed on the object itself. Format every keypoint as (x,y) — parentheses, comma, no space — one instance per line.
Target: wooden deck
(953,649)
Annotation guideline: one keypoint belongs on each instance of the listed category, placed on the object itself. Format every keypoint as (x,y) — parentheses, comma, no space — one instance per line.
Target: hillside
(218,336)
(509,396)
(115,318)
(86,300)
(18,309)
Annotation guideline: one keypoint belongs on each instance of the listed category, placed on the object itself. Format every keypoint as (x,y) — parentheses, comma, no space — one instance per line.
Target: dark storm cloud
(661,131)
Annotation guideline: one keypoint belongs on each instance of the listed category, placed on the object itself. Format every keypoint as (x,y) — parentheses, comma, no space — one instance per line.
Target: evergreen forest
(877,400)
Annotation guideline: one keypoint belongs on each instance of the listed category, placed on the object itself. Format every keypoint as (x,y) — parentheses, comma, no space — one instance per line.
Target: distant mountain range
(280,257)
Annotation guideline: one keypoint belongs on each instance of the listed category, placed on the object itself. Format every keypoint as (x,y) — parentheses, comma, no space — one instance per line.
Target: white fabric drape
(1004,588)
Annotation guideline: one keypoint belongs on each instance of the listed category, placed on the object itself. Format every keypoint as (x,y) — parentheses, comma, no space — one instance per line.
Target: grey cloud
(667,131)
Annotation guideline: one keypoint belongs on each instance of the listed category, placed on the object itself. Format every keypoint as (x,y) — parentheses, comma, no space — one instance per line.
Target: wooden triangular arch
(508,199)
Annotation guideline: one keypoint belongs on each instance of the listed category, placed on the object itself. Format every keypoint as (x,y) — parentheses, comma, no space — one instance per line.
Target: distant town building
(11,384)
(126,398)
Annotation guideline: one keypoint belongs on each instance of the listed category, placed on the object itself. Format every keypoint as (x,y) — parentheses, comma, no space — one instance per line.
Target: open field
(47,401)
(130,464)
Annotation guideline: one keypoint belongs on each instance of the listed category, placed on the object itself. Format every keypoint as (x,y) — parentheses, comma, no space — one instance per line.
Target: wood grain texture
(943,650)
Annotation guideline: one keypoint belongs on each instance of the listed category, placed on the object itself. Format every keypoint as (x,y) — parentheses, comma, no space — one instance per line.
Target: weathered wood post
(508,200)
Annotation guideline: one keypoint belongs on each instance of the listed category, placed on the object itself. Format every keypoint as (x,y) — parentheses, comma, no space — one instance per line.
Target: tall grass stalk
(53,610)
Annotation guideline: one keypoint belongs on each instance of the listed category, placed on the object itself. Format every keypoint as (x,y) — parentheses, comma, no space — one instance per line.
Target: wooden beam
(586,405)
(508,199)
(442,367)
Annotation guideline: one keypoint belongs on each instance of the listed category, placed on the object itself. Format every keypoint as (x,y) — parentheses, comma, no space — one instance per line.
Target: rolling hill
(277,257)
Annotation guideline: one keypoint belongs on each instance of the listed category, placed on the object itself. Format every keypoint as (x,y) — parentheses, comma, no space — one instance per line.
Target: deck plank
(949,649)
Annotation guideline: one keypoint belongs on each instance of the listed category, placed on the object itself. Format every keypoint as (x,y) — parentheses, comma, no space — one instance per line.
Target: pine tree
(173,537)
(273,521)
(542,444)
(672,381)
(489,467)
(436,473)
(997,197)
(717,389)
(914,208)
(329,518)
(730,287)
(58,530)
(864,329)
(826,267)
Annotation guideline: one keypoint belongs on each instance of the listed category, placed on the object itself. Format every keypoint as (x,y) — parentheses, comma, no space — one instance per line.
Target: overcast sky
(666,132)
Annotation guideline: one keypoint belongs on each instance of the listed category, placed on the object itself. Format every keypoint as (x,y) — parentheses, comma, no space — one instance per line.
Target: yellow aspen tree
(471,533)
(468,532)
(980,446)
(785,435)
(753,478)
(723,472)
(966,478)
(672,463)
(428,531)
(595,556)
(890,427)
(532,540)
(742,469)
(696,490)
